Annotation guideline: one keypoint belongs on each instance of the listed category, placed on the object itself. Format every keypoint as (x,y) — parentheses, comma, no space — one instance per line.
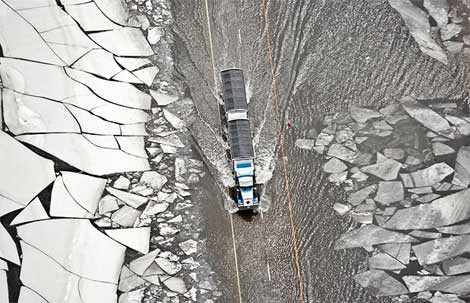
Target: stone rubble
(410,198)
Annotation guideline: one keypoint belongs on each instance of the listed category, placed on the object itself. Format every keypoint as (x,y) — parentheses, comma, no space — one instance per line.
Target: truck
(241,151)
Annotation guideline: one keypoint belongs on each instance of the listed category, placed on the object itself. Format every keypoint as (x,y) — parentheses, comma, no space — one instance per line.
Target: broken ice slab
(134,145)
(450,30)
(428,176)
(108,204)
(135,238)
(175,284)
(456,266)
(438,10)
(361,114)
(379,283)
(126,216)
(8,249)
(92,124)
(115,92)
(334,166)
(98,62)
(33,212)
(389,192)
(385,168)
(132,200)
(86,156)
(305,143)
(441,149)
(137,129)
(147,75)
(127,76)
(168,266)
(441,212)
(441,249)
(427,117)
(445,298)
(129,280)
(460,229)
(459,285)
(132,64)
(462,125)
(125,41)
(77,246)
(174,121)
(134,296)
(35,174)
(24,42)
(7,206)
(90,17)
(341,152)
(421,190)
(29,114)
(399,251)
(422,283)
(140,265)
(394,153)
(153,179)
(3,286)
(428,198)
(117,11)
(462,167)
(424,234)
(385,261)
(74,287)
(417,22)
(369,235)
(29,296)
(357,197)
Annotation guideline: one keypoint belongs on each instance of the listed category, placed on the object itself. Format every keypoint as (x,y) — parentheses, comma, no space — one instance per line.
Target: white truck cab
(244,173)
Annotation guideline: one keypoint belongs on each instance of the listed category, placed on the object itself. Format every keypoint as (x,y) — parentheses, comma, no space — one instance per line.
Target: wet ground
(327,55)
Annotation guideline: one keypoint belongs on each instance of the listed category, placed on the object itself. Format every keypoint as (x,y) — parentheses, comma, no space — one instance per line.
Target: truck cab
(244,172)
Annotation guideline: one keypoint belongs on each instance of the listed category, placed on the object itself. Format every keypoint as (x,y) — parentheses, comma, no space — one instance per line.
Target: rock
(456,266)
(462,167)
(341,209)
(175,284)
(122,183)
(399,251)
(358,197)
(422,283)
(305,143)
(441,149)
(334,166)
(341,152)
(385,168)
(428,176)
(461,229)
(389,192)
(445,298)
(417,22)
(153,179)
(361,115)
(394,153)
(427,117)
(385,261)
(450,30)
(369,235)
(438,10)
(441,212)
(379,283)
(189,247)
(424,234)
(168,266)
(441,249)
(130,199)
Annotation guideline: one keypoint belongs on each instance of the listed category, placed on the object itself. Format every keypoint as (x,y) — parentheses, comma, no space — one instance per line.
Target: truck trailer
(239,138)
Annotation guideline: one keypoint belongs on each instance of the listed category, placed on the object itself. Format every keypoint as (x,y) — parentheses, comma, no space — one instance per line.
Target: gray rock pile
(406,174)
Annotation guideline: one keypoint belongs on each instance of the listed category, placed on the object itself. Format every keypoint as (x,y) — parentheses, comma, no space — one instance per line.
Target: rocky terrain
(405,169)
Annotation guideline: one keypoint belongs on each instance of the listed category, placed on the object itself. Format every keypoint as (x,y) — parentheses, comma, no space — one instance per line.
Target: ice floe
(117,42)
(33,212)
(135,238)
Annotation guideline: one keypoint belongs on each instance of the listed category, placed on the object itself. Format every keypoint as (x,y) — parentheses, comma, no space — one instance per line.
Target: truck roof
(240,139)
(233,88)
